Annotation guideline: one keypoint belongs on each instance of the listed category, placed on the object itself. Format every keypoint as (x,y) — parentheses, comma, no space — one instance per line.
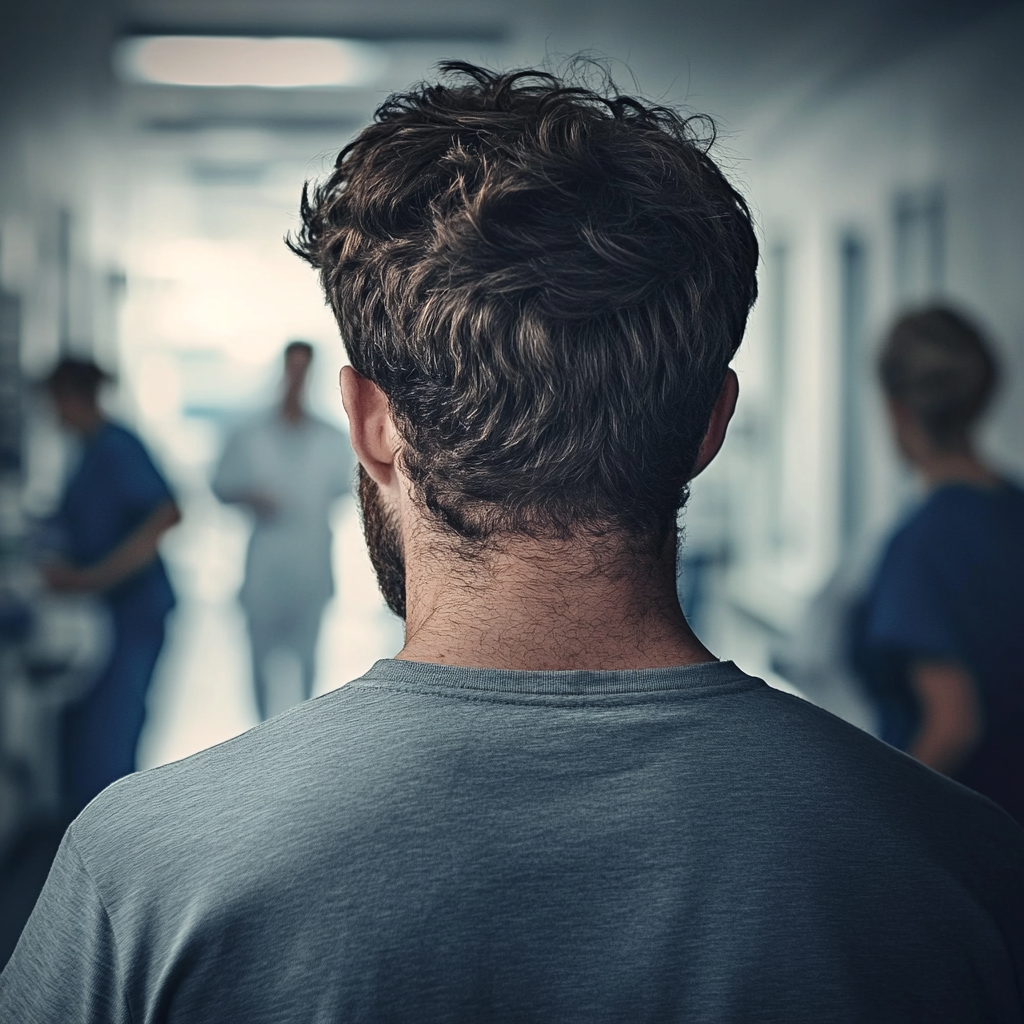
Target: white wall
(945,119)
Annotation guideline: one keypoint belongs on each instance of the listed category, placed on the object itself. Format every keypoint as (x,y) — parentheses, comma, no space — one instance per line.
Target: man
(288,468)
(555,804)
(115,508)
(943,643)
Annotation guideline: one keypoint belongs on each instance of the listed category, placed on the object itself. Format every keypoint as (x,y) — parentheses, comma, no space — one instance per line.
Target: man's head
(74,386)
(939,374)
(298,355)
(547,284)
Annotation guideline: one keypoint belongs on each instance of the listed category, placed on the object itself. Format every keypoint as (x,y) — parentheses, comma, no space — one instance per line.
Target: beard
(384,542)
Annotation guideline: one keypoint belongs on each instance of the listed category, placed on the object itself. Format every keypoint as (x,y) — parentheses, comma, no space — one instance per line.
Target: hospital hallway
(152,159)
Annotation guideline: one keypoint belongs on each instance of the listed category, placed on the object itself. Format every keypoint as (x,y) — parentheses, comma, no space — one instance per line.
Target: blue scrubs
(950,587)
(113,491)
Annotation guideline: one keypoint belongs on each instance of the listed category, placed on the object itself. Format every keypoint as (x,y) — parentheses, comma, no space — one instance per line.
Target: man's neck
(90,424)
(961,466)
(537,605)
(292,410)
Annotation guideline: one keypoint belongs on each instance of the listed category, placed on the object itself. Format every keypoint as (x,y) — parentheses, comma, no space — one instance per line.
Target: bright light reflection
(233,61)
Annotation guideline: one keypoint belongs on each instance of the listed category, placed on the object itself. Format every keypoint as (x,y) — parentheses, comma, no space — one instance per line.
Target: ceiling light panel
(285,62)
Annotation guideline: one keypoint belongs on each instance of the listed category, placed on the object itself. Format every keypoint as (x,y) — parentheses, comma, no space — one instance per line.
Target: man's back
(437,843)
(540,288)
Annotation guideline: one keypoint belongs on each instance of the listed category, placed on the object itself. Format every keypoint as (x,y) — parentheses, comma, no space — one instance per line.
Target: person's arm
(234,481)
(261,504)
(66,966)
(951,720)
(133,553)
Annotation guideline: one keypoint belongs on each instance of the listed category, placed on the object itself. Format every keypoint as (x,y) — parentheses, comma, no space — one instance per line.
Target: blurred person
(555,804)
(288,467)
(942,644)
(115,508)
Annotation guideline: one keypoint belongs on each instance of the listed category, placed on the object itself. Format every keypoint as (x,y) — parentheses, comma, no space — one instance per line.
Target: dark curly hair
(548,282)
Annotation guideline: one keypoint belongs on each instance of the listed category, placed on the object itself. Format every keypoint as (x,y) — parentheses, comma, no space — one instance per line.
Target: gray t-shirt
(444,844)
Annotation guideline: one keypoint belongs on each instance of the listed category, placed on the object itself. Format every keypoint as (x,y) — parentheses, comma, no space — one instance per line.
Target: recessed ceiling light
(286,62)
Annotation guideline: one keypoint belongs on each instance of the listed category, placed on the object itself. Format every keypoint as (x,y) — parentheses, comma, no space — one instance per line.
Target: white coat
(302,468)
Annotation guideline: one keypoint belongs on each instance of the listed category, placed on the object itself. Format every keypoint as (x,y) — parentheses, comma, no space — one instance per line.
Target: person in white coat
(288,468)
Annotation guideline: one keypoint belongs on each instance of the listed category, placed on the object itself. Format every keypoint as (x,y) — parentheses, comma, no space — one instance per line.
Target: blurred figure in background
(115,508)
(288,468)
(942,644)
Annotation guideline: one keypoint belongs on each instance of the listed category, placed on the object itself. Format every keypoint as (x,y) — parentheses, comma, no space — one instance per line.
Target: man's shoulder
(943,531)
(269,421)
(352,760)
(254,421)
(923,536)
(961,506)
(817,763)
(119,439)
(325,428)
(239,434)
(212,796)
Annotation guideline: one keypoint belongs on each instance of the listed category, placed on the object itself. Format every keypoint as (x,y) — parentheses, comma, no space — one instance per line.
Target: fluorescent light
(232,61)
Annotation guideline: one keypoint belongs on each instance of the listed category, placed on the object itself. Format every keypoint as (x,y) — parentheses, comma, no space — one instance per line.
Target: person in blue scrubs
(114,510)
(942,638)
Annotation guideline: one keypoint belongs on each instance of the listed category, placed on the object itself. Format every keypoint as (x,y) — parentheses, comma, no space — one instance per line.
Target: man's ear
(372,431)
(714,437)
(911,438)
(900,414)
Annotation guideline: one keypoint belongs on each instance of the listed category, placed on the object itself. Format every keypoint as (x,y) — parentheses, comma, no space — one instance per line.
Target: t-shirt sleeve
(140,485)
(908,611)
(65,967)
(233,475)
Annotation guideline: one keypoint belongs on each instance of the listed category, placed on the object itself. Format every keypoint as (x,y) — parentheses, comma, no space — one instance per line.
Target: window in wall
(853,383)
(919,221)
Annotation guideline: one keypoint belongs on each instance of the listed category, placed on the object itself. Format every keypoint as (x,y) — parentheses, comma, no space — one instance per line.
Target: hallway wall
(908,177)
